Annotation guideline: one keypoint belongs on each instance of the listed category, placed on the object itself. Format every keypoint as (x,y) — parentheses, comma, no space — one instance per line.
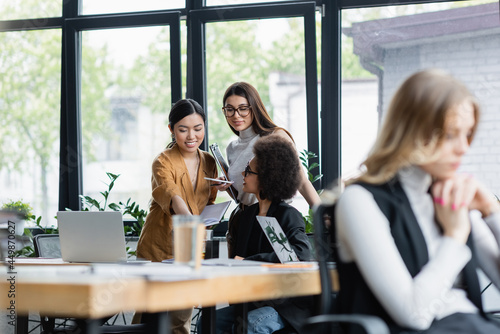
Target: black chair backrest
(325,248)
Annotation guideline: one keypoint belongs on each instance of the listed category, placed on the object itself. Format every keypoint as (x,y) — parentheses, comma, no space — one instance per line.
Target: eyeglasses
(229,111)
(249,171)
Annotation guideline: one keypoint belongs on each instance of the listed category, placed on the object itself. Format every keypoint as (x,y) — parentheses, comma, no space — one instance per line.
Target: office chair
(327,321)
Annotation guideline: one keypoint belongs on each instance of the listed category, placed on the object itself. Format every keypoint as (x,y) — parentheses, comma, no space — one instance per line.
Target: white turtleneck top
(239,152)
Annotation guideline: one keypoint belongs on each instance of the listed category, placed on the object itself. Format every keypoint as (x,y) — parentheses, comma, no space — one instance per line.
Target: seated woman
(273,175)
(408,238)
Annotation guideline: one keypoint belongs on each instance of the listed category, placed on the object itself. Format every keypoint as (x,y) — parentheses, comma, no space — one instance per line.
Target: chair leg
(208,320)
(22,324)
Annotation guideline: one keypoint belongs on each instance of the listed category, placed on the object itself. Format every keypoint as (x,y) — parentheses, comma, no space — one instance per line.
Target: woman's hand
(484,200)
(461,193)
(465,190)
(222,186)
(450,203)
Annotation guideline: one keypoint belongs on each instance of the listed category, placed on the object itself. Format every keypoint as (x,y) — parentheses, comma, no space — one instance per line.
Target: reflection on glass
(382,46)
(29,9)
(30,85)
(120,6)
(246,51)
(125,103)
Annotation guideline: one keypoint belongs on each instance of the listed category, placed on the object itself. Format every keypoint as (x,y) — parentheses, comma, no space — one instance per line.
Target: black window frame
(196,72)
(70,180)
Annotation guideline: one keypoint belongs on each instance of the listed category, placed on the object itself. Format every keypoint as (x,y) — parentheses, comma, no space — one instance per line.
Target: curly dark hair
(278,168)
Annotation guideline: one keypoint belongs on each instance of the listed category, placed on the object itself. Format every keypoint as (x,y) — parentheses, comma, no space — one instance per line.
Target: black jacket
(251,243)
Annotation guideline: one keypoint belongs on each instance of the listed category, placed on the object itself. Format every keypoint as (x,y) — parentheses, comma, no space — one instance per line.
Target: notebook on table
(92,236)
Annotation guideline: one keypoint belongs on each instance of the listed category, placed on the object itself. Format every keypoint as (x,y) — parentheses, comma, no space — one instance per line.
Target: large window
(116,6)
(108,71)
(30,85)
(245,51)
(383,45)
(126,97)
(236,2)
(30,9)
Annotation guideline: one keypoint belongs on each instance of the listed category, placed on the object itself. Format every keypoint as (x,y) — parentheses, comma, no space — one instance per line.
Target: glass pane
(29,9)
(246,51)
(30,85)
(237,2)
(125,103)
(120,6)
(382,46)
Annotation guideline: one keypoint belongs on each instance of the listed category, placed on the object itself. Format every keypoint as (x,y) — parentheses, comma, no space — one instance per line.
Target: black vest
(355,296)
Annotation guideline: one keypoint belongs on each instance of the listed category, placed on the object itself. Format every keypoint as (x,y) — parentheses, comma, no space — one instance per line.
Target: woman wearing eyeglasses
(272,176)
(247,117)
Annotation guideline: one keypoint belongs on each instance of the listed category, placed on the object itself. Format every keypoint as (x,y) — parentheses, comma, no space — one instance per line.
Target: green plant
(27,213)
(305,157)
(126,208)
(133,210)
(24,209)
(89,202)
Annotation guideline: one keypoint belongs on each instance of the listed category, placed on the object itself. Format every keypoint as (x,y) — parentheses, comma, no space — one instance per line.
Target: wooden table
(92,292)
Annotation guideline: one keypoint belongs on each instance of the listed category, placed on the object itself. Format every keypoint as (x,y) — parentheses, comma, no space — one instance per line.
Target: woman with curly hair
(273,175)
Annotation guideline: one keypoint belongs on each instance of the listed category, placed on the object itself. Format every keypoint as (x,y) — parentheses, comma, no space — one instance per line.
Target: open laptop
(92,236)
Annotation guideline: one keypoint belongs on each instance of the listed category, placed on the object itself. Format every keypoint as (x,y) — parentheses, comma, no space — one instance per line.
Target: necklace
(195,174)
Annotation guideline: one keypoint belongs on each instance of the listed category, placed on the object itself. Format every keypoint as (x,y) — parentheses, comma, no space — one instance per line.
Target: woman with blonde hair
(411,229)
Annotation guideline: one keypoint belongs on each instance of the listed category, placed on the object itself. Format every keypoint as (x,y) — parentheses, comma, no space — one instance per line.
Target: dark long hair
(181,109)
(262,123)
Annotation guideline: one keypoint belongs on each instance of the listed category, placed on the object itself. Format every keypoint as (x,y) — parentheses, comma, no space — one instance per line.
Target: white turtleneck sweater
(364,236)
(239,152)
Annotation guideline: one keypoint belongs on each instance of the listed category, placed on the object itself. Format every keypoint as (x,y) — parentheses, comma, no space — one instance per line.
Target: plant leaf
(114,207)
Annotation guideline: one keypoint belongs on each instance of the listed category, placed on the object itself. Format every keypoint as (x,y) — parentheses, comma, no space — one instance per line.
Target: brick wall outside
(474,59)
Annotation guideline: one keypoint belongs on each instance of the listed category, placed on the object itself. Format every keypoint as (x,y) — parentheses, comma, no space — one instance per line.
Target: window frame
(71,145)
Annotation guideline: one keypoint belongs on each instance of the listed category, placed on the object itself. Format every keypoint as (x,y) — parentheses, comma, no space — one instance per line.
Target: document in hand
(212,214)
(277,238)
(223,166)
